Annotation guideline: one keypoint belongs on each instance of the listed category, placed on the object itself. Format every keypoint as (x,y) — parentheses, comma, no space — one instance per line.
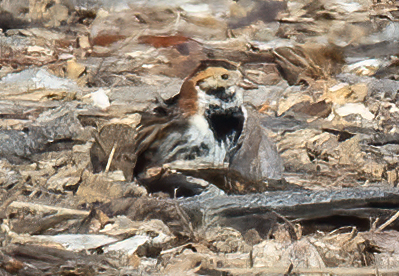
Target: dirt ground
(79,78)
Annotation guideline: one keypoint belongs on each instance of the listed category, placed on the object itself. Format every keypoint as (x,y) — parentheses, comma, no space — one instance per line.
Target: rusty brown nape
(188,98)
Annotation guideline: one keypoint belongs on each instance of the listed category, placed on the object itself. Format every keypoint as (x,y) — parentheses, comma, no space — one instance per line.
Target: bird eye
(225,76)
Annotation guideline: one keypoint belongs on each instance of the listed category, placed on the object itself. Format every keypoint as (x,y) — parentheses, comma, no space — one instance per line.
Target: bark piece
(244,212)
(36,218)
(40,260)
(119,138)
(145,208)
(52,126)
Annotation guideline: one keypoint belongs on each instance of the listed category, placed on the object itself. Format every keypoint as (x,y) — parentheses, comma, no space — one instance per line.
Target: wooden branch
(297,204)
(40,208)
(323,270)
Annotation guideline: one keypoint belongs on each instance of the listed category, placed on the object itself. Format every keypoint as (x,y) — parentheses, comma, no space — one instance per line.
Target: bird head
(213,83)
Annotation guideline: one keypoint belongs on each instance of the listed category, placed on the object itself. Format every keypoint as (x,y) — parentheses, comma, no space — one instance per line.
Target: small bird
(204,132)
(209,117)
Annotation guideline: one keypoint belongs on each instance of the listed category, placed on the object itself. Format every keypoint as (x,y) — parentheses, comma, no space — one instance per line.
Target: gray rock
(257,159)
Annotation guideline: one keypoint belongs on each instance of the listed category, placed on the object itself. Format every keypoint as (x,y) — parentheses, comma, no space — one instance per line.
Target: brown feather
(188,98)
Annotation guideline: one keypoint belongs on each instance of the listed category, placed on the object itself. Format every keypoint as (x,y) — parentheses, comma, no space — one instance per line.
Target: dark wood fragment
(245,212)
(41,260)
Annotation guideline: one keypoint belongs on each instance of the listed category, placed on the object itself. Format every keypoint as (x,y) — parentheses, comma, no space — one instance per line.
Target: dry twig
(388,222)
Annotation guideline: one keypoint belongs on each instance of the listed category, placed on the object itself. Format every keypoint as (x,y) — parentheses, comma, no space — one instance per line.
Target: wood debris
(81,82)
